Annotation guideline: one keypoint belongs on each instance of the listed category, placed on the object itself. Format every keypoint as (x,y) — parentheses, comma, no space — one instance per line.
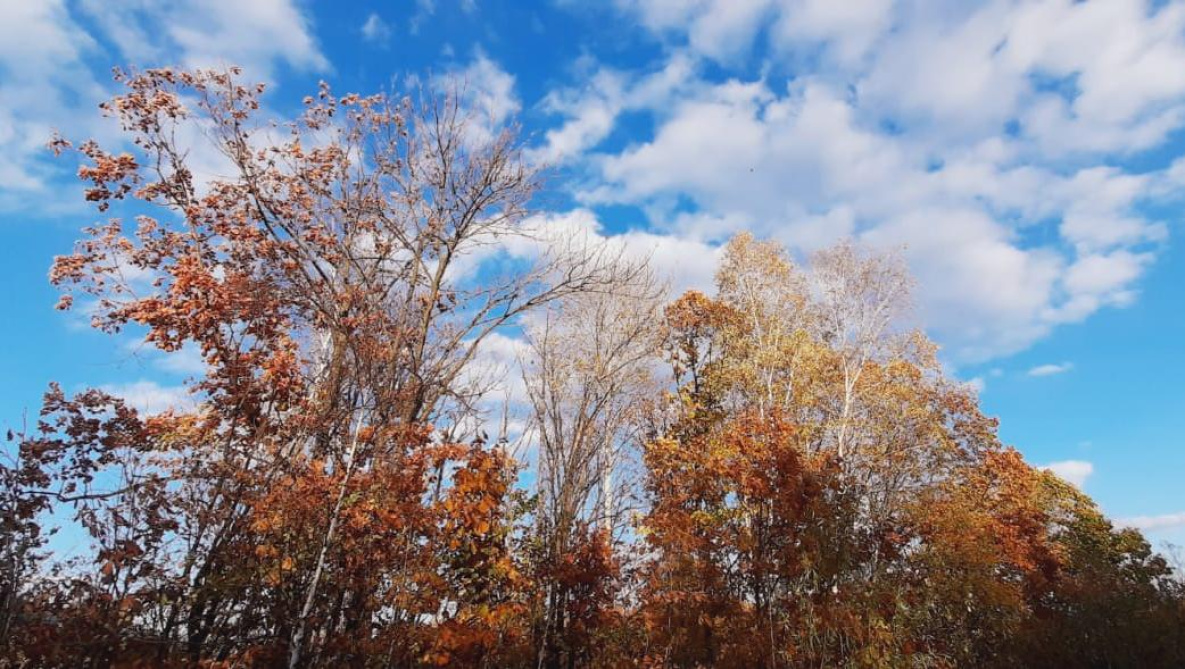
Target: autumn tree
(824,496)
(1114,601)
(760,516)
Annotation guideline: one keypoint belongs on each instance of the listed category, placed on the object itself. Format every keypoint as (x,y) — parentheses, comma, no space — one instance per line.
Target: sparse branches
(588,372)
(858,298)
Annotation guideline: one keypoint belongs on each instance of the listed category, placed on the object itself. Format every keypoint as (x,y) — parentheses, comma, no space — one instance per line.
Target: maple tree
(776,475)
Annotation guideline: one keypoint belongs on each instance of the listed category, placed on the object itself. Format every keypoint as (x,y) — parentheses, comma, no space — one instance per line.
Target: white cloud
(723,29)
(848,29)
(976,137)
(255,35)
(685,264)
(726,29)
(1075,472)
(592,109)
(591,114)
(185,362)
(947,69)
(42,71)
(37,37)
(149,397)
(495,366)
(375,29)
(1167,521)
(1051,369)
(803,168)
(1078,76)
(980,294)
(492,88)
(53,71)
(488,93)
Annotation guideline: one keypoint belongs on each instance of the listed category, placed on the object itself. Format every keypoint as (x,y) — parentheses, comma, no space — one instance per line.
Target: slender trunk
(298,635)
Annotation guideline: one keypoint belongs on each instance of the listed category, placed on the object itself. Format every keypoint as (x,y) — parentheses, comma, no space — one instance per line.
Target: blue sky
(1025,155)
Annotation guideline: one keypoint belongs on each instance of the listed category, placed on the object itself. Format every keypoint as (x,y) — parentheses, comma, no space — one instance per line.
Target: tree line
(775,475)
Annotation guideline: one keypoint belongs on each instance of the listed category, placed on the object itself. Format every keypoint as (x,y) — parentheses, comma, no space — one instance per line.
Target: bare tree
(588,373)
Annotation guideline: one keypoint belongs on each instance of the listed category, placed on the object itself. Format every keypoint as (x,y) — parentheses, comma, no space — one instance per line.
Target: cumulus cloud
(977,138)
(1072,471)
(54,71)
(492,88)
(971,65)
(495,369)
(727,29)
(685,264)
(847,29)
(590,112)
(1051,369)
(800,167)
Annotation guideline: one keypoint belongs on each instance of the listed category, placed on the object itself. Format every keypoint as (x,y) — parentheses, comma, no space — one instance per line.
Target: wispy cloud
(376,30)
(424,10)
(1051,369)
(1167,521)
